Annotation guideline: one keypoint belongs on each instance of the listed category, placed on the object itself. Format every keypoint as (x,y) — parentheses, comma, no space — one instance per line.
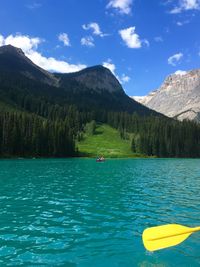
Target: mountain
(45,114)
(14,61)
(94,88)
(97,78)
(178,97)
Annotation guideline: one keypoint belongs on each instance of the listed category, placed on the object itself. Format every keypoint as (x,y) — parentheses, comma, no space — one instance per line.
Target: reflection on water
(76,212)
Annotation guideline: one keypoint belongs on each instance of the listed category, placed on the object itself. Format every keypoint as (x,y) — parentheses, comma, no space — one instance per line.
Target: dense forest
(156,136)
(24,134)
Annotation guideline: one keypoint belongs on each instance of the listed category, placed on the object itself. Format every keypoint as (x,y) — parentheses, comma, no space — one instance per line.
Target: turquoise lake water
(76,212)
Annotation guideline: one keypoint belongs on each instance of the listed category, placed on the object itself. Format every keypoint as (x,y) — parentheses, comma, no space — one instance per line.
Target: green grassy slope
(106,141)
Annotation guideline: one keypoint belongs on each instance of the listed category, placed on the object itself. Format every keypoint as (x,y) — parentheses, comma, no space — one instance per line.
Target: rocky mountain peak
(97,78)
(14,60)
(189,77)
(11,50)
(178,96)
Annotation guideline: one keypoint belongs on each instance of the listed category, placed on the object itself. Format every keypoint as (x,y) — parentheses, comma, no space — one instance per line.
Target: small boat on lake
(100,159)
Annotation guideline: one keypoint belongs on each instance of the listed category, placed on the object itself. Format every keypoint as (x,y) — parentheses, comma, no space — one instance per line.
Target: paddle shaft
(192,230)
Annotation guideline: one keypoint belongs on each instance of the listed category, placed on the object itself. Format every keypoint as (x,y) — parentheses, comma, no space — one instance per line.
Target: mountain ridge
(88,75)
(178,97)
(95,87)
(14,60)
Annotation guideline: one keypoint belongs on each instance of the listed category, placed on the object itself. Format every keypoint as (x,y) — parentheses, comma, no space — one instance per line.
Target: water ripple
(78,213)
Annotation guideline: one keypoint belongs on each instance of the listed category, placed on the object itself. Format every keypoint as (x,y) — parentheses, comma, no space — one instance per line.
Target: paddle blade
(164,236)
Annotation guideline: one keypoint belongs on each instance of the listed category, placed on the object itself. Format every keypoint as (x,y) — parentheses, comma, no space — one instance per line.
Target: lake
(76,212)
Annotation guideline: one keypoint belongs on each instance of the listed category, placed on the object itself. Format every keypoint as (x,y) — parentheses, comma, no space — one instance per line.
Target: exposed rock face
(97,78)
(178,97)
(145,99)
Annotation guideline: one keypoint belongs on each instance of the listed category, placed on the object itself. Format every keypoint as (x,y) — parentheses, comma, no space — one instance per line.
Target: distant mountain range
(178,97)
(92,88)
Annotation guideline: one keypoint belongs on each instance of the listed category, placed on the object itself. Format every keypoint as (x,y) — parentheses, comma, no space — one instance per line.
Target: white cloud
(1,40)
(185,5)
(95,28)
(29,45)
(173,60)
(87,41)
(107,64)
(180,72)
(181,23)
(24,42)
(125,78)
(190,4)
(176,10)
(123,6)
(131,39)
(63,37)
(52,64)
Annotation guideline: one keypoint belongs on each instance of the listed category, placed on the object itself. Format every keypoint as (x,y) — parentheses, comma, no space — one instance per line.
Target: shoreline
(94,158)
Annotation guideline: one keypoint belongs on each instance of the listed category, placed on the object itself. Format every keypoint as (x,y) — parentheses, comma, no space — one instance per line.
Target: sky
(140,41)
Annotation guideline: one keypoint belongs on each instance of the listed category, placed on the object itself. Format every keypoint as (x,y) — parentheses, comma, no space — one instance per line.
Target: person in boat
(101,158)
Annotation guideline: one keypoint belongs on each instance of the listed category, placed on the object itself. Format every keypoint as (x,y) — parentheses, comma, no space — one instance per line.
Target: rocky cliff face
(178,97)
(97,78)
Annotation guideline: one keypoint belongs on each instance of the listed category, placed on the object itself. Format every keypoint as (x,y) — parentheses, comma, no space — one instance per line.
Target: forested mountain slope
(89,89)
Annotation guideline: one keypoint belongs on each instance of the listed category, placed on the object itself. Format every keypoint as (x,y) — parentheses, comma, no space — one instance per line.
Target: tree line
(30,135)
(158,136)
(42,121)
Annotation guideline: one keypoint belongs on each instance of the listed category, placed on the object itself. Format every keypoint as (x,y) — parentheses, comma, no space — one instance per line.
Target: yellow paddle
(164,236)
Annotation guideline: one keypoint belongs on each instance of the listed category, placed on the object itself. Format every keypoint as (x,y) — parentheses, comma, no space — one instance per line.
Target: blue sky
(141,41)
